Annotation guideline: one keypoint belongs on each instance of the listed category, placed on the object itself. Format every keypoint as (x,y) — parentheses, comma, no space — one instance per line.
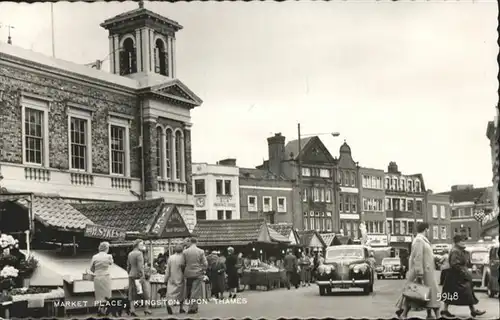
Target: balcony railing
(171,186)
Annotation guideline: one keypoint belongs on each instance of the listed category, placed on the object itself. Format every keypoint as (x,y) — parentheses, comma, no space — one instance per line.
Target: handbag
(87,276)
(417,291)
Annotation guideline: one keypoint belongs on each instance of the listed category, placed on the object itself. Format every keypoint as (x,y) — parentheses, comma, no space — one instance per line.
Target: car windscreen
(345,252)
(479,257)
(391,261)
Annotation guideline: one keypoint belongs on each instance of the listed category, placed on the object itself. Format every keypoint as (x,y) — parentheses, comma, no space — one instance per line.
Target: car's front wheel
(491,293)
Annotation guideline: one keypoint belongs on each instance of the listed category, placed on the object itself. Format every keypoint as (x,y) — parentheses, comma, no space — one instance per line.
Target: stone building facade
(438,216)
(88,135)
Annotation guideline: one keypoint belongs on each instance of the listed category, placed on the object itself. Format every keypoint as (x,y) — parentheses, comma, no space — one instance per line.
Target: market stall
(311,240)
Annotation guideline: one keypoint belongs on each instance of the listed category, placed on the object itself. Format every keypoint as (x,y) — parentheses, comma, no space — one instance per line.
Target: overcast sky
(408,82)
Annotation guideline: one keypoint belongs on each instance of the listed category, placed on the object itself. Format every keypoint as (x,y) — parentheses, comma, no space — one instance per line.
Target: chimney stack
(276,146)
(230,162)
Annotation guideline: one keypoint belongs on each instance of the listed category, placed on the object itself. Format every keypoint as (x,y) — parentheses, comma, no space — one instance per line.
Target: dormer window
(160,57)
(128,59)
(417,186)
(410,186)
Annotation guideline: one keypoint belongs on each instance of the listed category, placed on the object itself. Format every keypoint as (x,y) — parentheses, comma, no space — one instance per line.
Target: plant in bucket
(7,279)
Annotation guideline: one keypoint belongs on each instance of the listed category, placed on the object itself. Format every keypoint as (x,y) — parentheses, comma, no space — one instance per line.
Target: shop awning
(276,237)
(217,233)
(287,231)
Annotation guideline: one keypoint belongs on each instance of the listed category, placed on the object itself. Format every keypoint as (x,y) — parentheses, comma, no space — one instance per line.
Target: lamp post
(299,166)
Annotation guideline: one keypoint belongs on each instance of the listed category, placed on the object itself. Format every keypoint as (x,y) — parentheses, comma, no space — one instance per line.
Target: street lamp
(299,165)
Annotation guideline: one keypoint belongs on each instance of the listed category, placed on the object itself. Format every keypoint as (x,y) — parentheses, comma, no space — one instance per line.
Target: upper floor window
(403,185)
(409,204)
(201,215)
(418,205)
(160,57)
(454,213)
(281,204)
(179,150)
(315,172)
(128,57)
(417,186)
(159,157)
(410,186)
(306,172)
(325,173)
(339,177)
(346,178)
(266,204)
(168,152)
(353,179)
(304,195)
(443,212)
(219,189)
(35,131)
(328,195)
(199,186)
(227,187)
(316,194)
(434,211)
(118,144)
(394,183)
(252,203)
(79,143)
(172,153)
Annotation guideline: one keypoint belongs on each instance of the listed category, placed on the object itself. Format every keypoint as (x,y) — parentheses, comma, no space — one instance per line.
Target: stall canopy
(287,231)
(340,240)
(50,210)
(311,239)
(328,238)
(146,218)
(216,233)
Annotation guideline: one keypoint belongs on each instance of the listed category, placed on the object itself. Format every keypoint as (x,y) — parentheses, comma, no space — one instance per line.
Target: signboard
(162,219)
(104,233)
(377,240)
(175,226)
(404,239)
(225,201)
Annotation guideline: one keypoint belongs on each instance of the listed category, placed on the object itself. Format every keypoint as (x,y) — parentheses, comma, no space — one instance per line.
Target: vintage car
(391,267)
(346,267)
(479,262)
(492,284)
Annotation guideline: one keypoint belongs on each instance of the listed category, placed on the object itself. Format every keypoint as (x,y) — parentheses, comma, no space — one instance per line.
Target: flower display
(9,272)
(8,242)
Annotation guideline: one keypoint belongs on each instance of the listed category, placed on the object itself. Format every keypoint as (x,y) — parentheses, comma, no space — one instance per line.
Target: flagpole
(52,28)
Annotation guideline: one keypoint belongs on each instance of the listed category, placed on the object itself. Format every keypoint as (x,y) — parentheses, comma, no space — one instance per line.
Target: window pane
(78,133)
(117,150)
(168,149)
(178,155)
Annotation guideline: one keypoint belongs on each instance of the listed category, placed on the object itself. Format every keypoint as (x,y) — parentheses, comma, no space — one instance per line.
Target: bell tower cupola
(142,42)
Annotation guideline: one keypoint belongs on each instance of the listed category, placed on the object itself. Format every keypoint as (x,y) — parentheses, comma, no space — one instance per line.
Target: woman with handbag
(102,280)
(457,288)
(421,289)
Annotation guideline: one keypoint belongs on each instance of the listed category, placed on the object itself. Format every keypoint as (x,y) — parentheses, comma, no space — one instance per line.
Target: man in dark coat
(290,265)
(458,289)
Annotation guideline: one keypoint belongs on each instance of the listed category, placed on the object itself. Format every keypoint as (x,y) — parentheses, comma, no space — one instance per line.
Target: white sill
(200,194)
(35,165)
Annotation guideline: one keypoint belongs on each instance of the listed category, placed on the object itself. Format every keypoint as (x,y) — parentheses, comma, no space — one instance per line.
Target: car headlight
(360,268)
(328,269)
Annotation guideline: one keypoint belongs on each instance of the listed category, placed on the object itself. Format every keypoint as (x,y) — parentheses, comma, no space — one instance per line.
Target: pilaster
(138,49)
(116,54)
(173,59)
(149,145)
(188,158)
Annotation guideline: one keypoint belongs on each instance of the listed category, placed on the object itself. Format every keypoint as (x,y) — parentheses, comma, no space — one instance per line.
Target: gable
(316,152)
(315,241)
(292,238)
(175,227)
(178,91)
(264,234)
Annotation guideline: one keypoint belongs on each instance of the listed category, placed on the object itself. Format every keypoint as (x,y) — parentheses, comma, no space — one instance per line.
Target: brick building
(465,200)
(314,208)
(404,204)
(266,195)
(438,215)
(86,134)
(372,194)
(490,223)
(347,194)
(216,190)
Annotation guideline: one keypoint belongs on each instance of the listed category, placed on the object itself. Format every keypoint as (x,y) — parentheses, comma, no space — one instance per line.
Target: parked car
(346,267)
(492,272)
(479,260)
(391,267)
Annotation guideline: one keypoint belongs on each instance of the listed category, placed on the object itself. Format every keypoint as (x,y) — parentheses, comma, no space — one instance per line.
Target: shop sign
(378,240)
(104,233)
(175,226)
(162,219)
(404,239)
(224,201)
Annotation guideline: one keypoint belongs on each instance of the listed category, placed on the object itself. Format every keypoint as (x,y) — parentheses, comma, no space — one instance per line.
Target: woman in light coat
(174,278)
(421,269)
(102,280)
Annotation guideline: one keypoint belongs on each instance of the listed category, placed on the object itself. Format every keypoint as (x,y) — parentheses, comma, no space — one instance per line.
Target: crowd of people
(456,280)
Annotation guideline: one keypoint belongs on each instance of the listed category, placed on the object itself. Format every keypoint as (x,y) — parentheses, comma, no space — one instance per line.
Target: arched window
(160,57)
(403,185)
(128,61)
(395,183)
(346,178)
(168,152)
(410,186)
(417,186)
(178,155)
(159,134)
(387,183)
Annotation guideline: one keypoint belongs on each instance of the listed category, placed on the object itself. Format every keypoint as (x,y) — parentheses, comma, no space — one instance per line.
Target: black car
(346,267)
(391,267)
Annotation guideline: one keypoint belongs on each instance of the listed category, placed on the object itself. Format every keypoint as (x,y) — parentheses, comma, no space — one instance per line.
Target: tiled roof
(56,212)
(228,232)
(327,238)
(276,236)
(132,216)
(259,174)
(293,147)
(465,195)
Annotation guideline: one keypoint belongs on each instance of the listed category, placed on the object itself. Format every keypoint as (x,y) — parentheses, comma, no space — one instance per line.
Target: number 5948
(447,296)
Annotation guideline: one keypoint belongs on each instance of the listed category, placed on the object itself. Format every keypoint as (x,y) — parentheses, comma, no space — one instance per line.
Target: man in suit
(290,264)
(135,269)
(196,267)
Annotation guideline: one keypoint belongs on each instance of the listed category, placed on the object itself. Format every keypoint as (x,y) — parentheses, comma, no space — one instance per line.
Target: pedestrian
(146,285)
(212,273)
(102,280)
(445,266)
(232,273)
(422,270)
(196,266)
(290,265)
(305,269)
(315,263)
(239,266)
(217,275)
(174,279)
(135,269)
(458,289)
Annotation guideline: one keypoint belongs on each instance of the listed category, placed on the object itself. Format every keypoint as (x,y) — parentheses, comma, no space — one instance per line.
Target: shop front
(377,240)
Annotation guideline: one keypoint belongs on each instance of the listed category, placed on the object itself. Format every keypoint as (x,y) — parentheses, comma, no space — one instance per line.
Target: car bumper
(342,283)
(389,274)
